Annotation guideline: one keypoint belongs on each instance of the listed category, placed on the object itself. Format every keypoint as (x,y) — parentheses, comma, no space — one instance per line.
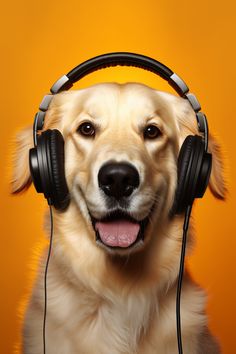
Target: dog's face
(121,150)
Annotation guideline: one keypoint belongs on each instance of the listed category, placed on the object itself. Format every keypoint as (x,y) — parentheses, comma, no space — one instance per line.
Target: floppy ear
(21,179)
(217,182)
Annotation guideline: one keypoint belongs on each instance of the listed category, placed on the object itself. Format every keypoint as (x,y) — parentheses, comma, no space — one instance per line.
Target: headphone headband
(125,59)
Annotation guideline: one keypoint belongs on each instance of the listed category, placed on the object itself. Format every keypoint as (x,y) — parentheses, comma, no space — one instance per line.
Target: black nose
(118,179)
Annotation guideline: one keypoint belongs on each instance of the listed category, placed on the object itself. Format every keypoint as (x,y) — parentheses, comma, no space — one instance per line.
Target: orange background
(41,40)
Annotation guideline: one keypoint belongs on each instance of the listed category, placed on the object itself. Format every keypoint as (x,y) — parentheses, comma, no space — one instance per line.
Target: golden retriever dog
(114,265)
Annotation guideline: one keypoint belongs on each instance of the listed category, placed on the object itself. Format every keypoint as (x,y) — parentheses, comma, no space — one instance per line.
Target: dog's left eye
(86,129)
(151,132)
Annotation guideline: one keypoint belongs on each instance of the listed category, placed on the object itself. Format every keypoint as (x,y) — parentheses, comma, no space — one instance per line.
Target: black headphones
(46,159)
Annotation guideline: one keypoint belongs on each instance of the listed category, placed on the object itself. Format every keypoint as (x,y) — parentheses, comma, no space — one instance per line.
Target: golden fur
(107,302)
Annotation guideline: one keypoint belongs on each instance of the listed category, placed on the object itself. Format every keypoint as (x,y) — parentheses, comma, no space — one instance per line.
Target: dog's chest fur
(81,320)
(117,322)
(109,322)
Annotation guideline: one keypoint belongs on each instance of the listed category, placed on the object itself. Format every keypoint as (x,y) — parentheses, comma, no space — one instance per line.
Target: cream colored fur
(105,302)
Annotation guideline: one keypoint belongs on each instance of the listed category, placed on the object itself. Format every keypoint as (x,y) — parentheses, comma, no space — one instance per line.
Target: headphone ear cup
(190,163)
(194,169)
(184,160)
(60,195)
(47,169)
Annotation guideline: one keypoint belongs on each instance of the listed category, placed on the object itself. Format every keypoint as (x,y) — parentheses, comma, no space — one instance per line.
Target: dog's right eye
(151,132)
(86,129)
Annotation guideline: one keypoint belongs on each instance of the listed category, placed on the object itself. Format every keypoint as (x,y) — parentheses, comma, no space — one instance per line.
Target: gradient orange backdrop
(41,40)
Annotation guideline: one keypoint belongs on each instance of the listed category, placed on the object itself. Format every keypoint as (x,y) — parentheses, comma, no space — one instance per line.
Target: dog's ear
(217,182)
(21,179)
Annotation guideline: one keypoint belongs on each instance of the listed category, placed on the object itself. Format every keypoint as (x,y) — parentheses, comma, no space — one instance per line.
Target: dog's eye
(86,129)
(151,132)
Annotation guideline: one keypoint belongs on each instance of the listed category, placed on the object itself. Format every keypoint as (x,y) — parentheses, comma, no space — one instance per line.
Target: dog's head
(121,149)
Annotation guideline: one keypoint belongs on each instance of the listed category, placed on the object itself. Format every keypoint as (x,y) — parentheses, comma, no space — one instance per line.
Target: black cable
(45,282)
(180,278)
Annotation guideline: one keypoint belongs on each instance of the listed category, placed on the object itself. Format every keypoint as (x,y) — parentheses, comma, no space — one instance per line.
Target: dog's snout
(118,179)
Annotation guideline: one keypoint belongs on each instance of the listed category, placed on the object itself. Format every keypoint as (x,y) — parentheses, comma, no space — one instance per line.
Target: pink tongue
(118,233)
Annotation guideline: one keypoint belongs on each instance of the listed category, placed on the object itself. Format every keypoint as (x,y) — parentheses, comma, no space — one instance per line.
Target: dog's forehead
(130,99)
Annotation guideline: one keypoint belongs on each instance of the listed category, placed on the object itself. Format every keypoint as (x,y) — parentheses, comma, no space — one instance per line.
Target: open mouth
(119,230)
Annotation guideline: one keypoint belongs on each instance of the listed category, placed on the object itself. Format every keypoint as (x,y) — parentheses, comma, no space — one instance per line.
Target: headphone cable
(180,277)
(45,281)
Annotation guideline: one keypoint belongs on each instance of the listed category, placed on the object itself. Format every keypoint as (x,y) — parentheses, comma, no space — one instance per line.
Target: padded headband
(127,59)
